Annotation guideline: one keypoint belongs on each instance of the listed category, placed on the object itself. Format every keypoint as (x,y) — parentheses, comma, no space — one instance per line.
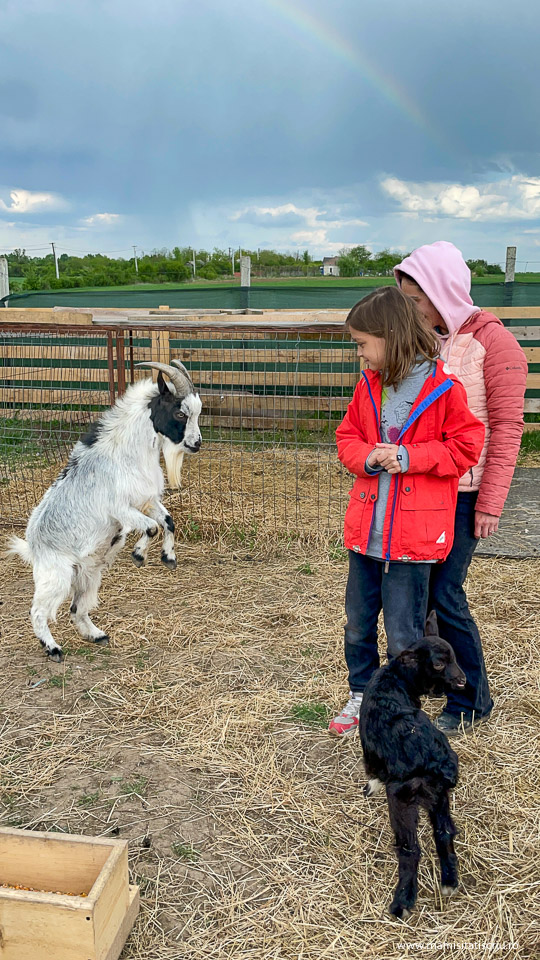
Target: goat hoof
(169,562)
(399,912)
(55,655)
(373,787)
(137,558)
(102,641)
(448,891)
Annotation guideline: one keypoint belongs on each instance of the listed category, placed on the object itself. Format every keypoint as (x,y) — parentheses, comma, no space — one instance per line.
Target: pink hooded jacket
(488,360)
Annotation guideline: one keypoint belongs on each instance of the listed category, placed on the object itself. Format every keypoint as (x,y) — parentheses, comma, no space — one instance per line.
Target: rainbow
(325,33)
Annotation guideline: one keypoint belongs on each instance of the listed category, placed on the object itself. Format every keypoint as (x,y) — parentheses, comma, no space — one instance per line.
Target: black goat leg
(404,822)
(444,831)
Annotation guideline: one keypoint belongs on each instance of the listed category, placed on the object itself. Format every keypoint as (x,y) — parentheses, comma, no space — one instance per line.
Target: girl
(408,436)
(493,368)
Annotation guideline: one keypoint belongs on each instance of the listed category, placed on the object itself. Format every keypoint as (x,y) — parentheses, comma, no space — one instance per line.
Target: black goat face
(435,666)
(176,418)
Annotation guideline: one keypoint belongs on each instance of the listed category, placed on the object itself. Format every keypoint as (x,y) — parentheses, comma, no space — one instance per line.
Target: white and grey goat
(112,485)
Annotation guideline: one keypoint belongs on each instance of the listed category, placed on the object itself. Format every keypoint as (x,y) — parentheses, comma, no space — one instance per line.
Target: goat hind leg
(85,598)
(444,831)
(404,821)
(52,587)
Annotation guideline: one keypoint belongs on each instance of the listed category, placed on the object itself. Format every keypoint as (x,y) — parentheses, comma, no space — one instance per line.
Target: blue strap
(422,407)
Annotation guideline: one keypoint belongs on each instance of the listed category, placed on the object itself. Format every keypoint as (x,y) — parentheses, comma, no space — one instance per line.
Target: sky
(274,124)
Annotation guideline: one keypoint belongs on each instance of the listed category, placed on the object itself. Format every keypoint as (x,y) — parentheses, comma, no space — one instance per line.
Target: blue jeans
(456,624)
(402,594)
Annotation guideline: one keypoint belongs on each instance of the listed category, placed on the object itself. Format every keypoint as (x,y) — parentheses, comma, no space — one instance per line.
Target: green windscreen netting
(256,297)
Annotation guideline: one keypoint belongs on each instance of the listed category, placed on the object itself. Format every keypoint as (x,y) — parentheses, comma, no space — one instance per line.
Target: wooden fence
(249,375)
(273,394)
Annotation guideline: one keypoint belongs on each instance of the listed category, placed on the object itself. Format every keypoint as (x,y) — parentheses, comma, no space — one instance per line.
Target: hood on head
(441,272)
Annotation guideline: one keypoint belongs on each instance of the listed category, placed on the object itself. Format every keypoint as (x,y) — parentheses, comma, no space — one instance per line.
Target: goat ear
(163,388)
(409,658)
(432,627)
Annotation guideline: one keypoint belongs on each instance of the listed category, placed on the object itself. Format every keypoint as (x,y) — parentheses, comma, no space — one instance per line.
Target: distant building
(330,267)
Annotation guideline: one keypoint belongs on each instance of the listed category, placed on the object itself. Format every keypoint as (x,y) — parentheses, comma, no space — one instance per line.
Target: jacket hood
(441,272)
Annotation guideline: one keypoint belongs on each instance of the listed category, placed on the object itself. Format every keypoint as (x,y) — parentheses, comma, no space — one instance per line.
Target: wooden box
(53,920)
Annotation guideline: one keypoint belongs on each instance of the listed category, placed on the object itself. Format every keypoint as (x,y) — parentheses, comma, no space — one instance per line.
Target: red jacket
(443,439)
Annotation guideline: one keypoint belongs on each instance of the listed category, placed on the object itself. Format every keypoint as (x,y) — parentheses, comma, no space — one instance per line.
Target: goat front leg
(444,831)
(157,512)
(404,822)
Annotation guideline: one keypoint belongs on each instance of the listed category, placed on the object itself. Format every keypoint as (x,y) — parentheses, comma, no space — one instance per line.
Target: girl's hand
(387,457)
(484,524)
(373,459)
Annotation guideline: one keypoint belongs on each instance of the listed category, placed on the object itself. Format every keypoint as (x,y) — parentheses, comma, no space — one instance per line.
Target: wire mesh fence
(271,401)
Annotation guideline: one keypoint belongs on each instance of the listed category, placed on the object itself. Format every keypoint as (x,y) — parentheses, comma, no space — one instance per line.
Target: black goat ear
(432,627)
(409,658)
(163,388)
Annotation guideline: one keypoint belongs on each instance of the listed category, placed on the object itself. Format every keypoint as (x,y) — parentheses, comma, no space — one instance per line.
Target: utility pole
(4,281)
(135,256)
(510,264)
(55,261)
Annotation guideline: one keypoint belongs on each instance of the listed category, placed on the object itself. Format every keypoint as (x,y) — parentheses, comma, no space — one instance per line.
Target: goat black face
(176,417)
(435,667)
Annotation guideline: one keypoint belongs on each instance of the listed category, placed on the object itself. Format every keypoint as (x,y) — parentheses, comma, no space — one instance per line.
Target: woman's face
(425,306)
(370,349)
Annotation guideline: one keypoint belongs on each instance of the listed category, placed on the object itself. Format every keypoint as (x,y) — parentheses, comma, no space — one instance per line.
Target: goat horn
(181,367)
(179,379)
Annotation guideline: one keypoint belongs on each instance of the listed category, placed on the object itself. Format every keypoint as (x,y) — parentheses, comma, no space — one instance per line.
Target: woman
(492,367)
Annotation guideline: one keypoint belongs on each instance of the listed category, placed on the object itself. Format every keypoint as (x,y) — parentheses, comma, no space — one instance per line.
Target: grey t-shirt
(396,406)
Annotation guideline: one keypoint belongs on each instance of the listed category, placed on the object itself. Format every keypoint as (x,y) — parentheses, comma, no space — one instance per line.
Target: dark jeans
(402,594)
(456,624)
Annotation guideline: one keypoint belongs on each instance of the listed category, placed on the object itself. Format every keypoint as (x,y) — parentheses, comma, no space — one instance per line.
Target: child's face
(370,349)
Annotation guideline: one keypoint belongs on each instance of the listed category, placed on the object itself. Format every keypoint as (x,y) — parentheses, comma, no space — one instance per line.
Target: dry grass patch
(200,737)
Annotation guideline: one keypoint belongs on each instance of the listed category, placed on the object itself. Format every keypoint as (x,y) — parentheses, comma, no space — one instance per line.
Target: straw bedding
(200,737)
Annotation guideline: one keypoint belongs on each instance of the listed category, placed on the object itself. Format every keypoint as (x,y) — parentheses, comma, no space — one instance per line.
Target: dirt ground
(200,737)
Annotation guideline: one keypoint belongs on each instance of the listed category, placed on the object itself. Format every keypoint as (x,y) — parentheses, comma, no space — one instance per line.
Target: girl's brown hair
(389,314)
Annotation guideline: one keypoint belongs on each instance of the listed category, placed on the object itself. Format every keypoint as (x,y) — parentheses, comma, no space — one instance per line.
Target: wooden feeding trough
(64,897)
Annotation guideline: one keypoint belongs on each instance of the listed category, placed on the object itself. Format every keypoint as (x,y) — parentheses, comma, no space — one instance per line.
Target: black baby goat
(405,752)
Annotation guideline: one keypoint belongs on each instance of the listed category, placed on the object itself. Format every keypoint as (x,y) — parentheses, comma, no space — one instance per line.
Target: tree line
(182,264)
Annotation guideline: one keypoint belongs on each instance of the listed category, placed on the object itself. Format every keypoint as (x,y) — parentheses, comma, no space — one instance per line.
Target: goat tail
(409,790)
(17,547)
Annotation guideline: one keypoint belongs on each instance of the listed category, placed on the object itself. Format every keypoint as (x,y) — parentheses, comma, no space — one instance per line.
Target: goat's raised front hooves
(102,641)
(137,558)
(169,561)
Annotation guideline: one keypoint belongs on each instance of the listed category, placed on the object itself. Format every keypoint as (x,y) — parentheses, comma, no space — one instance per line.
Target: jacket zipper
(380,440)
(421,408)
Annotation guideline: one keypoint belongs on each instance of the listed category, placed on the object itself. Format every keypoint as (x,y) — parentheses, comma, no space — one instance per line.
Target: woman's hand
(484,524)
(387,457)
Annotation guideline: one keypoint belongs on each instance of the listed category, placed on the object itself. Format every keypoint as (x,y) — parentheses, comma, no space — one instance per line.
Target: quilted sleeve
(505,374)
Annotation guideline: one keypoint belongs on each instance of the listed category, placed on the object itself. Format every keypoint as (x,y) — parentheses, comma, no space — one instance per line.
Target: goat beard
(173,462)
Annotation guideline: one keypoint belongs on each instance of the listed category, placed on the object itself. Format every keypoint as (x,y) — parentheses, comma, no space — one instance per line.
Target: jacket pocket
(358,514)
(425,512)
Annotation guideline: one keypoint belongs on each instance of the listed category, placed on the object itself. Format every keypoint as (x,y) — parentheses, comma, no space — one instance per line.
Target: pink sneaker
(346,724)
